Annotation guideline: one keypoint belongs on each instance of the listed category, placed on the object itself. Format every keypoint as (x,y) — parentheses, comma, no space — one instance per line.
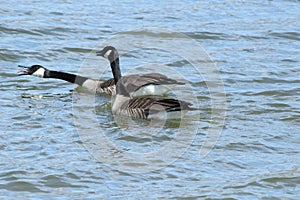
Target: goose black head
(35,70)
(109,52)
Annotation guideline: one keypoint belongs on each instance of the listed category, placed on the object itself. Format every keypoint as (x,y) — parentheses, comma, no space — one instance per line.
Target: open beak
(100,53)
(23,71)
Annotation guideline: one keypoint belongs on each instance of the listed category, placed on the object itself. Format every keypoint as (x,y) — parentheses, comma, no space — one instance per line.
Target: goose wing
(108,83)
(156,104)
(134,82)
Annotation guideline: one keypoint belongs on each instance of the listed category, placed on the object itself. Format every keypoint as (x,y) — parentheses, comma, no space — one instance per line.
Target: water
(256,46)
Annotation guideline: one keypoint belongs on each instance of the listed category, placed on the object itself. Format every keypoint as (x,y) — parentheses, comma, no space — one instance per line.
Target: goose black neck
(115,67)
(121,89)
(72,78)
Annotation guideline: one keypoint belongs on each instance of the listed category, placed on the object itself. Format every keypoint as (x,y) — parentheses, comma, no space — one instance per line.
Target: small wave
(20,186)
(10,56)
(17,31)
(80,50)
(286,35)
(54,181)
(209,36)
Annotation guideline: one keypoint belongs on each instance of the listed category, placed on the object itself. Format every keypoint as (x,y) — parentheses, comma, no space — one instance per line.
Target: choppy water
(256,47)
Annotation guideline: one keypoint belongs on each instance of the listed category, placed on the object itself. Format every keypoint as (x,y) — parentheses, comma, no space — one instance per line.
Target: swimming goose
(145,107)
(95,86)
(141,84)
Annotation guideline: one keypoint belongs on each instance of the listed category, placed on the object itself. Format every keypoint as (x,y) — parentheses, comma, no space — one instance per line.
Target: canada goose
(106,87)
(145,107)
(141,84)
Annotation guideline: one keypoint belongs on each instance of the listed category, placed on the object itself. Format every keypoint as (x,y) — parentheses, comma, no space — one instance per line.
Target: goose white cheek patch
(107,54)
(39,73)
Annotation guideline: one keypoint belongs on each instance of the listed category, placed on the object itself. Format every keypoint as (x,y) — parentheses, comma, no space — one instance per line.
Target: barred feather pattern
(143,107)
(107,90)
(107,87)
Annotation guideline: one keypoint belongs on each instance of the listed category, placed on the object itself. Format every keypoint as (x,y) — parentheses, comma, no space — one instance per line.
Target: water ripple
(286,35)
(254,44)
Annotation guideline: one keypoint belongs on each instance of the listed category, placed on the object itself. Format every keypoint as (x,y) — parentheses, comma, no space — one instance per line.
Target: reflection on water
(256,47)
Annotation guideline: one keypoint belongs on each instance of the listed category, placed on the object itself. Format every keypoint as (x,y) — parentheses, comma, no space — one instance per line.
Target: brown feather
(152,105)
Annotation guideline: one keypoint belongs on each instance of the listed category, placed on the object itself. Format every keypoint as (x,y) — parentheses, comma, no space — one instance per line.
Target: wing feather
(156,104)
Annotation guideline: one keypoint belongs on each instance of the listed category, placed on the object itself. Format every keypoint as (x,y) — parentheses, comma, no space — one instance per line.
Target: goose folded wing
(157,104)
(108,83)
(170,105)
(134,82)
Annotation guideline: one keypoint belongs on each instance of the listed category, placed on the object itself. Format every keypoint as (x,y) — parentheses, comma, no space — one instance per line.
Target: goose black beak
(23,71)
(100,53)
